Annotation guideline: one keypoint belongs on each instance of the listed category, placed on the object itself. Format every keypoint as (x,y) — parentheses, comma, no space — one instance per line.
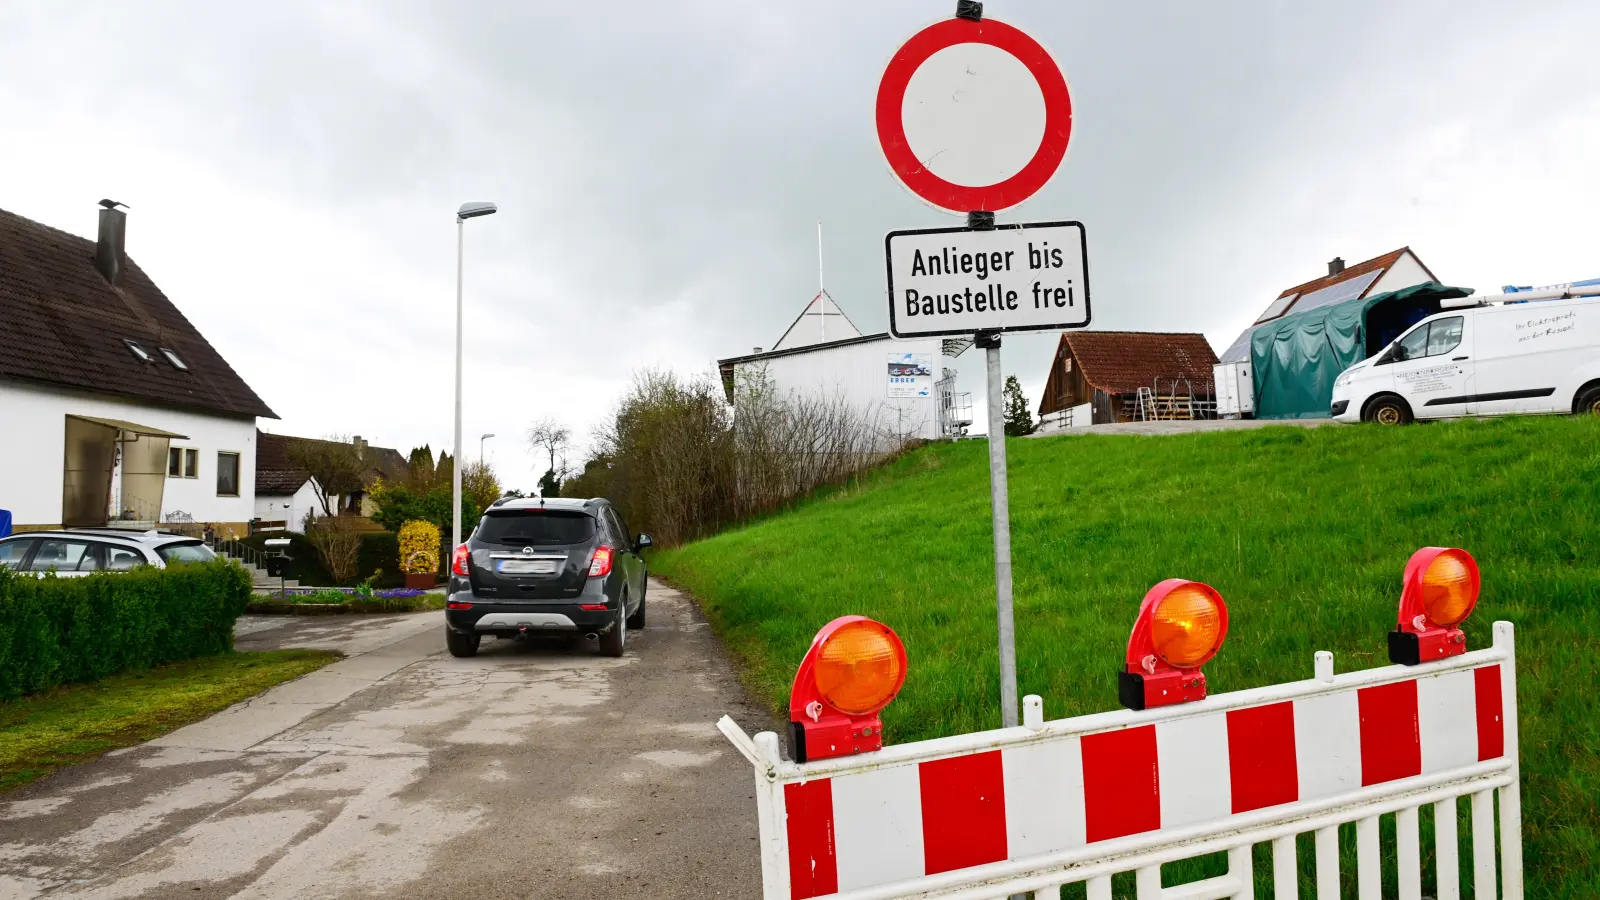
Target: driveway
(530,771)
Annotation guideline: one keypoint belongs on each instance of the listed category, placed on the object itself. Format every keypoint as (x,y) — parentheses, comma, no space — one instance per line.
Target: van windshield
(535,527)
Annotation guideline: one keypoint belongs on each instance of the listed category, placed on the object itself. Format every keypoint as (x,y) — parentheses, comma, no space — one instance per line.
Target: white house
(905,387)
(113,407)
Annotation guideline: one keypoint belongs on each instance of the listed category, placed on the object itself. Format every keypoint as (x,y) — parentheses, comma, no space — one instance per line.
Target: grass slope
(78,722)
(1304,531)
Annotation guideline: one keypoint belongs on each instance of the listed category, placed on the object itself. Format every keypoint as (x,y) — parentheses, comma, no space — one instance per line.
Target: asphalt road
(531,771)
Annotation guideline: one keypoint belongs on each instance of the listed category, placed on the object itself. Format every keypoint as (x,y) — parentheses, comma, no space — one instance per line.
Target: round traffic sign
(973,115)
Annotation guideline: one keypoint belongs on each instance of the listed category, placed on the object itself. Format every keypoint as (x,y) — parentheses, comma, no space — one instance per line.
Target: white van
(1511,353)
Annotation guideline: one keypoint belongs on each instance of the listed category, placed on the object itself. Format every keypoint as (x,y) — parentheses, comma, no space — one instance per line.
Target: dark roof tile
(62,323)
(1121,362)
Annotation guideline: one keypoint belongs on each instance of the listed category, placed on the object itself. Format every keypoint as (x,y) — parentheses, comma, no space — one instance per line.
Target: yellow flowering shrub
(419,548)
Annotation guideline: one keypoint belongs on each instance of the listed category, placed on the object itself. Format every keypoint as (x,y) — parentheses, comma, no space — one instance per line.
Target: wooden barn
(1099,377)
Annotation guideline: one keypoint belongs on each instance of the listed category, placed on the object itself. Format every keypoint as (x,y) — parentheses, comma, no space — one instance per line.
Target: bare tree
(552,438)
(334,463)
(338,542)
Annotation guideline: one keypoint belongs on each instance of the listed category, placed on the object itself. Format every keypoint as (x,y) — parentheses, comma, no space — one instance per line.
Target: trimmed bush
(380,552)
(61,630)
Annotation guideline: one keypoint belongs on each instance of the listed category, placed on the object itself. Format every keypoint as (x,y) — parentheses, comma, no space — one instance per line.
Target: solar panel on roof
(1277,308)
(1240,350)
(1337,293)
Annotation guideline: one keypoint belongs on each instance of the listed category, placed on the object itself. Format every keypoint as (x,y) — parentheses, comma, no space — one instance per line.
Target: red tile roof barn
(63,324)
(1121,362)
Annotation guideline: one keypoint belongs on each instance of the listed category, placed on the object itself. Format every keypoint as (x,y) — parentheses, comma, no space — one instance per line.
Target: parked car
(547,567)
(78,551)
(1541,356)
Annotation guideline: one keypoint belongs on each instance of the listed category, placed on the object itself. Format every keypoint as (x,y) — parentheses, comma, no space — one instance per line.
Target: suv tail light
(600,566)
(459,561)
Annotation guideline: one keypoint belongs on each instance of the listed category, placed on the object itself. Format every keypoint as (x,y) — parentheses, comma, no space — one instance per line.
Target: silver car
(76,552)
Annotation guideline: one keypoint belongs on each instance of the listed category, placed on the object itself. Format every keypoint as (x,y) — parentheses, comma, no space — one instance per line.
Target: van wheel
(461,644)
(1588,401)
(613,642)
(1389,410)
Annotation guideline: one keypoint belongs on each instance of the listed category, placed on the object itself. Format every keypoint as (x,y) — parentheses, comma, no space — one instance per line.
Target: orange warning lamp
(1181,625)
(1440,591)
(854,668)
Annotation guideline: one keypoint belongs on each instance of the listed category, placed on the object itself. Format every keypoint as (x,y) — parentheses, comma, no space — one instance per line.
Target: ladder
(1147,405)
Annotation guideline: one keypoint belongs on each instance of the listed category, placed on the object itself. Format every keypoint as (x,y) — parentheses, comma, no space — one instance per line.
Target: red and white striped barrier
(1032,808)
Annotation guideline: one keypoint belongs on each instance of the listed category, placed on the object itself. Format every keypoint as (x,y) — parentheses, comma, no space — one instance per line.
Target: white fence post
(1328,863)
(1369,866)
(1242,866)
(1483,880)
(769,809)
(1408,853)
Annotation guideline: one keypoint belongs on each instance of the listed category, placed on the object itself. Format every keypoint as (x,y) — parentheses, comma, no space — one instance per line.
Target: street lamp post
(480,447)
(467,211)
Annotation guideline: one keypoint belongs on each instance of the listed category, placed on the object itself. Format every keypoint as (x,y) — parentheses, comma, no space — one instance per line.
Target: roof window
(177,361)
(138,351)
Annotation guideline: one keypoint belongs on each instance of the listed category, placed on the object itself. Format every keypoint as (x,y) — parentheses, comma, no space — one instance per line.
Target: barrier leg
(1446,851)
(1148,883)
(1241,865)
(1369,868)
(1483,875)
(1408,853)
(1285,872)
(1511,794)
(1100,888)
(1328,863)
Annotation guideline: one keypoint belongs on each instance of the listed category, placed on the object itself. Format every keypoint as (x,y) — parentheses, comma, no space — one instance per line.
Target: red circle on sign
(967,198)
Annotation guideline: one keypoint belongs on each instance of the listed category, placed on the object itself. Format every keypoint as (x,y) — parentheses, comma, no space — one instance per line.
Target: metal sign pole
(1000,507)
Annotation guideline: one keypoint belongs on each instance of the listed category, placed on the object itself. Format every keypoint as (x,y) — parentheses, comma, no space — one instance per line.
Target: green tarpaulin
(1296,358)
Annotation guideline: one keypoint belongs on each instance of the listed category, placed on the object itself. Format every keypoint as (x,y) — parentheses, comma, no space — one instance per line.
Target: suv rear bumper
(502,617)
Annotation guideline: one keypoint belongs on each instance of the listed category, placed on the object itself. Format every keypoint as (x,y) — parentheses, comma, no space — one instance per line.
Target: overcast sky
(293,169)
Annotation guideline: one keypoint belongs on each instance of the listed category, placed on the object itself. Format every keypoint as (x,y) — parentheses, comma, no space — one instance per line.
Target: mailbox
(279,563)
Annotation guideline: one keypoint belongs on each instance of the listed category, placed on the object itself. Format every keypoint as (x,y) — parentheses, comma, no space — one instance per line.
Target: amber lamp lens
(1186,626)
(1449,590)
(860,668)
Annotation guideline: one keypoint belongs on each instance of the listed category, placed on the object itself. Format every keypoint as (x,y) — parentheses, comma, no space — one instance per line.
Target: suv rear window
(185,552)
(533,527)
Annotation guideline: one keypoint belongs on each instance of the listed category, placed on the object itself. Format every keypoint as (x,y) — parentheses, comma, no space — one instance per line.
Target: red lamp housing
(1440,591)
(1181,626)
(854,668)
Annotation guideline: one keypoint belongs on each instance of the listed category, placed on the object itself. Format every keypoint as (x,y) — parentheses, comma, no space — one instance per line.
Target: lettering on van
(1546,326)
(1421,381)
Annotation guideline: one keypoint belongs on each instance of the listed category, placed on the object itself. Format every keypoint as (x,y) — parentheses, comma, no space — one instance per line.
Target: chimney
(360,445)
(110,257)
(1336,265)
(758,349)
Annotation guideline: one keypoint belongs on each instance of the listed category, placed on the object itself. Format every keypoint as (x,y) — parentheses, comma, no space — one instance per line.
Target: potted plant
(419,554)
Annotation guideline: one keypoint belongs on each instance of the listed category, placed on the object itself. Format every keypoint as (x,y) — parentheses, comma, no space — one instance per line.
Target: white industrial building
(905,387)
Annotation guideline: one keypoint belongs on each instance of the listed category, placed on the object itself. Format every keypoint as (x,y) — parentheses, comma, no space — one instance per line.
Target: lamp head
(477,208)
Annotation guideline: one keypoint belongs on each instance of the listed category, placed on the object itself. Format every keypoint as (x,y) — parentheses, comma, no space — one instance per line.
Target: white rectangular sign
(1030,277)
(910,375)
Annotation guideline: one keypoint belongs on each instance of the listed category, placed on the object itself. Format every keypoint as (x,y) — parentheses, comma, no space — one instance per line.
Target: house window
(139,352)
(172,357)
(183,462)
(227,474)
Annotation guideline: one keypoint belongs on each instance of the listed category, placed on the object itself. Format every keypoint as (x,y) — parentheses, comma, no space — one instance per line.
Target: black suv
(547,567)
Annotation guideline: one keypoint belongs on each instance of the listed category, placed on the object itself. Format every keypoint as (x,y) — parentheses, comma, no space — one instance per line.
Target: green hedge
(379,550)
(61,630)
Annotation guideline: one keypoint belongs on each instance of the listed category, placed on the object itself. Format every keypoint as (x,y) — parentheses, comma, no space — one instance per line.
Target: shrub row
(380,551)
(61,630)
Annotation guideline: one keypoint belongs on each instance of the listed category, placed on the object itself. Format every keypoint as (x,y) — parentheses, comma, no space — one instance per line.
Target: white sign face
(1011,278)
(910,375)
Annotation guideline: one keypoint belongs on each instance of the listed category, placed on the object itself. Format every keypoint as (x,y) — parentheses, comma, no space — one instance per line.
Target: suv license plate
(528,566)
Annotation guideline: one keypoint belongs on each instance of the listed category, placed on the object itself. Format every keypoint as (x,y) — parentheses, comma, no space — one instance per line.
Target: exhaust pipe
(591,636)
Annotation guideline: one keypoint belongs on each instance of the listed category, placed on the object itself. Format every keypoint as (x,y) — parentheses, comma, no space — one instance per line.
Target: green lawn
(78,722)
(1304,531)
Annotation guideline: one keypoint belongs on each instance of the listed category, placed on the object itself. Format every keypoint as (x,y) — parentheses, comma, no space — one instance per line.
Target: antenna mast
(822,289)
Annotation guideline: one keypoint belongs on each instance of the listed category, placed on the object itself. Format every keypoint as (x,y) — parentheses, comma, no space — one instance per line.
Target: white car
(77,552)
(1501,357)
